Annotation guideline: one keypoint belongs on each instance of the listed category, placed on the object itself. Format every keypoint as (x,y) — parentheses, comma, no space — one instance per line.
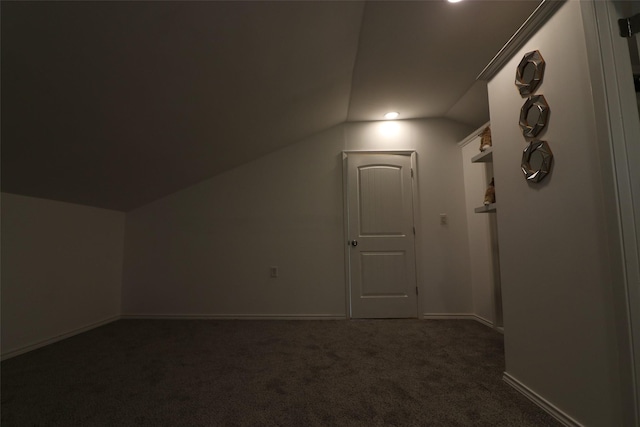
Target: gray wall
(61,269)
(476,178)
(556,271)
(206,250)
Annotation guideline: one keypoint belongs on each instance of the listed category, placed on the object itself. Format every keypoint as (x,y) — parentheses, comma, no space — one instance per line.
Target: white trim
(183,316)
(415,193)
(543,403)
(536,20)
(460,316)
(69,334)
(473,135)
(445,316)
(451,316)
(417,225)
(345,231)
(401,151)
(618,134)
(484,321)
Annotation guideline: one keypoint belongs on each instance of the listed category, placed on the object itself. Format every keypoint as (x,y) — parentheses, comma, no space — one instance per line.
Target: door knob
(354,243)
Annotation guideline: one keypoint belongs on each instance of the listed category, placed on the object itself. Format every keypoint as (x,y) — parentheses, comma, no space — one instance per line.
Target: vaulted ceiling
(116,104)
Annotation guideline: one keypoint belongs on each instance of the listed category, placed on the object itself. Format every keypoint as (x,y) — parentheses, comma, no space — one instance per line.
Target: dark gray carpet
(268,373)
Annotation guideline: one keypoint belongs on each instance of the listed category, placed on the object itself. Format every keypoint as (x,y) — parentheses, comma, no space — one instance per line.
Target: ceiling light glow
(391,115)
(389,129)
(454,1)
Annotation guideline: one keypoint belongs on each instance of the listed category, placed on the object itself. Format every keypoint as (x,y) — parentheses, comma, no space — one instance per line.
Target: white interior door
(381,239)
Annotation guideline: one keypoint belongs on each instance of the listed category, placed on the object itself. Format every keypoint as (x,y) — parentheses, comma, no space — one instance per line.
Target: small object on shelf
(486,209)
(485,139)
(484,157)
(490,194)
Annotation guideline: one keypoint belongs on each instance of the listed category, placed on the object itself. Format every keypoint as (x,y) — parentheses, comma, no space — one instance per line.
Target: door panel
(378,198)
(383,274)
(380,219)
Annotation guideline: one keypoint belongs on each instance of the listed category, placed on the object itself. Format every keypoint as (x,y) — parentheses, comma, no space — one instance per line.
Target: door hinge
(411,172)
(416,290)
(414,230)
(629,26)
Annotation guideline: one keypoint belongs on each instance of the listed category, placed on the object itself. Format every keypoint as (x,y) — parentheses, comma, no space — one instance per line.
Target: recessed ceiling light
(454,1)
(391,115)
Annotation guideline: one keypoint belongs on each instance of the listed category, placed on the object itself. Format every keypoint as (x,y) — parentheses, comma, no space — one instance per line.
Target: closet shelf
(484,157)
(486,208)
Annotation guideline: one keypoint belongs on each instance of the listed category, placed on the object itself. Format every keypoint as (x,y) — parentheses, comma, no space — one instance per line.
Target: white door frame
(416,222)
(618,128)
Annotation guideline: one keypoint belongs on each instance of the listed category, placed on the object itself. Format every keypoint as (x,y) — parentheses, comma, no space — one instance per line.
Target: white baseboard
(461,316)
(484,321)
(541,402)
(448,316)
(321,316)
(238,316)
(25,349)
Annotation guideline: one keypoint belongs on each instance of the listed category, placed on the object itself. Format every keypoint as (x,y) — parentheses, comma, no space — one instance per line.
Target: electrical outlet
(273,272)
(443,219)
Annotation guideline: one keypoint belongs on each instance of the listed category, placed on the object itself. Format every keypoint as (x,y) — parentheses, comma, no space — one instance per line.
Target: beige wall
(556,270)
(61,269)
(207,250)
(476,178)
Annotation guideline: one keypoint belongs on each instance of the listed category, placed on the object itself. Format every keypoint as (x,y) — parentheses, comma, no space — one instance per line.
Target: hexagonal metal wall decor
(537,159)
(529,73)
(534,115)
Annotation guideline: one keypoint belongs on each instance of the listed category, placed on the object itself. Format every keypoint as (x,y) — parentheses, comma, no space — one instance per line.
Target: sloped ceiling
(115,104)
(420,58)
